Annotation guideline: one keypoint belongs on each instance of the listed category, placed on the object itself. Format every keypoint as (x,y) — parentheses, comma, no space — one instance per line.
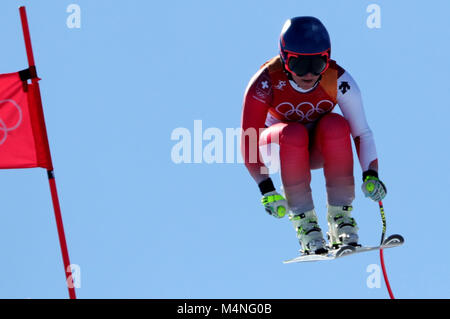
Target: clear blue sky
(141,226)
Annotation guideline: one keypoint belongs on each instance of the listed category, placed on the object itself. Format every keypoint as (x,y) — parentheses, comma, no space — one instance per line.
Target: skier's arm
(350,103)
(254,112)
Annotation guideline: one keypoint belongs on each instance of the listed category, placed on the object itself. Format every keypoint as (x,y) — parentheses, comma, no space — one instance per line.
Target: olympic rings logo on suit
(302,112)
(4,129)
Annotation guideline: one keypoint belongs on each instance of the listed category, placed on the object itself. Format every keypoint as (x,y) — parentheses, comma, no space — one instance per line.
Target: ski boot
(342,227)
(309,233)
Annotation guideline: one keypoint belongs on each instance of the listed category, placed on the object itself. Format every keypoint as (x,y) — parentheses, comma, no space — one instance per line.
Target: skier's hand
(274,204)
(374,188)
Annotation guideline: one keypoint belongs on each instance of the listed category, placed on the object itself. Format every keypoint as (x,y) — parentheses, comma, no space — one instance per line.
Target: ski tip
(394,240)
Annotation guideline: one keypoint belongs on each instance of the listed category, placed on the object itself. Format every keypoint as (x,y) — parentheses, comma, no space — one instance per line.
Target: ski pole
(383,219)
(383,233)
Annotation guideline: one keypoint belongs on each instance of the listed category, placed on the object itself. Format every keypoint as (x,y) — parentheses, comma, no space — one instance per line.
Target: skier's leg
(332,135)
(315,155)
(333,141)
(294,162)
(293,141)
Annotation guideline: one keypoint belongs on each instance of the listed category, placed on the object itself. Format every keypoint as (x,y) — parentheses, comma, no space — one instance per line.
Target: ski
(347,250)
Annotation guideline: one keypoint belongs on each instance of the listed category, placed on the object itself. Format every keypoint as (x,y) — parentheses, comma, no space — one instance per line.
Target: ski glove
(373,187)
(274,204)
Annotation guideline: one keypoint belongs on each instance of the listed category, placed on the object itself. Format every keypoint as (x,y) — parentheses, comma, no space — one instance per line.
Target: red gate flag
(23,138)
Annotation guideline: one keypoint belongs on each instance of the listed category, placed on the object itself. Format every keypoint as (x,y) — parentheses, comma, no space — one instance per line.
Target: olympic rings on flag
(4,129)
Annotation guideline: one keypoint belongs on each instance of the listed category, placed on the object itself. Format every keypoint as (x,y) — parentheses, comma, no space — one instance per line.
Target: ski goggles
(302,64)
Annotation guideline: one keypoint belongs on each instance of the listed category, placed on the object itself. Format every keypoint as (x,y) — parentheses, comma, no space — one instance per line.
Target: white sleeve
(350,103)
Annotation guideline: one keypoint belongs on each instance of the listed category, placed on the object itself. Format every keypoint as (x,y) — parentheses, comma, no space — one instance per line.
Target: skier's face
(306,81)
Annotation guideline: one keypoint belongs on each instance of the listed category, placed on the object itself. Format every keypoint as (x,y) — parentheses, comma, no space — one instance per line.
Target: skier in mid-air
(289,101)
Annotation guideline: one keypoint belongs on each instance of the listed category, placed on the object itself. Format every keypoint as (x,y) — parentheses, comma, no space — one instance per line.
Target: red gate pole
(50,173)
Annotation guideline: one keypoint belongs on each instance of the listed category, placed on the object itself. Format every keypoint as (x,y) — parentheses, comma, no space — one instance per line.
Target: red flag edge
(43,156)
